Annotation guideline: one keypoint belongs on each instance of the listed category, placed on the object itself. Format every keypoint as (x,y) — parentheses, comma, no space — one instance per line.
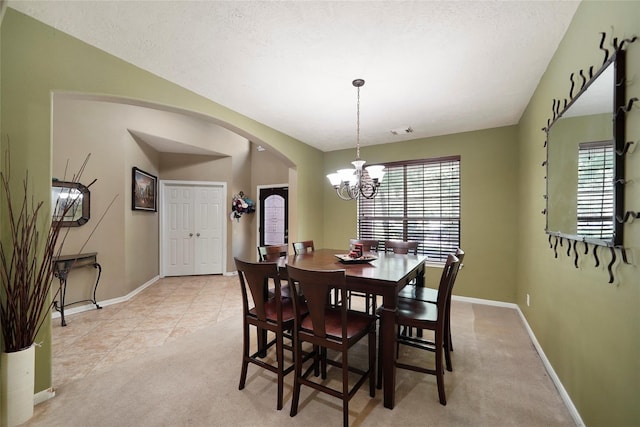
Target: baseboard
(44,395)
(87,307)
(547,365)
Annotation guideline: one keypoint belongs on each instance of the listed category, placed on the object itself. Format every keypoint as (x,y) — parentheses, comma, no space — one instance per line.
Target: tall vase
(17,378)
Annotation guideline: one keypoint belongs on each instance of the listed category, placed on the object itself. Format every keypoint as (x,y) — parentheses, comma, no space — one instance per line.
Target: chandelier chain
(358,127)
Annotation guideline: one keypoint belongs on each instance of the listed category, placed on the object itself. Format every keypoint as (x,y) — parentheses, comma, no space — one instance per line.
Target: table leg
(61,292)
(387,323)
(95,287)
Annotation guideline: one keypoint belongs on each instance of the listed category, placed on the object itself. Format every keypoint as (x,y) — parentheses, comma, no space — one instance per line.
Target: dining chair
(370,302)
(427,316)
(367,244)
(332,327)
(275,253)
(401,247)
(423,293)
(272,252)
(267,314)
(303,247)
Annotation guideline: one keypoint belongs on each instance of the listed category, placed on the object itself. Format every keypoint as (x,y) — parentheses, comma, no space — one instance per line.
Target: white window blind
(417,201)
(595,189)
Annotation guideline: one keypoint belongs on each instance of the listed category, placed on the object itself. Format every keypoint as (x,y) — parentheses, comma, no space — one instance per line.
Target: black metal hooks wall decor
(580,82)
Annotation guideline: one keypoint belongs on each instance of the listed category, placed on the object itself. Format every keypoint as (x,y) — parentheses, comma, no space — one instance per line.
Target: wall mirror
(584,173)
(70,203)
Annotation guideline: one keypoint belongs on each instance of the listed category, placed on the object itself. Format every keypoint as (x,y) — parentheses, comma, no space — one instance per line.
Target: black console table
(62,265)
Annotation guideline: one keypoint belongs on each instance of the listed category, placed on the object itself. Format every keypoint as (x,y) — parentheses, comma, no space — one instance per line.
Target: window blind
(595,189)
(417,201)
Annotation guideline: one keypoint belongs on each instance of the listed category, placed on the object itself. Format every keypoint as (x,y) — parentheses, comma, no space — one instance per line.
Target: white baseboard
(547,365)
(43,395)
(87,307)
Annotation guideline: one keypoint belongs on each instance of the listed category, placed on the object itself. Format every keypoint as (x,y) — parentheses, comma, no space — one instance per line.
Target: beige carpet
(498,380)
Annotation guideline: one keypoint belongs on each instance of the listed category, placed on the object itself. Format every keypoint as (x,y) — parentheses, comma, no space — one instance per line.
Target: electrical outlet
(528,301)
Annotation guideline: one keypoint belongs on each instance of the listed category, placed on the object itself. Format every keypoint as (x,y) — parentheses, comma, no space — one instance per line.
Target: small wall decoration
(240,205)
(144,190)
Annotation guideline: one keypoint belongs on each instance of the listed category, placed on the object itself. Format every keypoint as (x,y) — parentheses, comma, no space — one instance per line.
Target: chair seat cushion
(357,323)
(417,310)
(419,293)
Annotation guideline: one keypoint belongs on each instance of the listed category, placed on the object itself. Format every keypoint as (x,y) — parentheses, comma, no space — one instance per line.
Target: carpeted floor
(498,379)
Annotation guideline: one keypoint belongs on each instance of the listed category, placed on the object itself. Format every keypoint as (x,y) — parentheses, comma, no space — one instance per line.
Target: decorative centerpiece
(356,256)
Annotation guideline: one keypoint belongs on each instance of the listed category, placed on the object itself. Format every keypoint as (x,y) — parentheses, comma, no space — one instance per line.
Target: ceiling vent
(402,130)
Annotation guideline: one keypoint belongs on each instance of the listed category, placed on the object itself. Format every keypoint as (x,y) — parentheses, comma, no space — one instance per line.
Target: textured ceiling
(437,67)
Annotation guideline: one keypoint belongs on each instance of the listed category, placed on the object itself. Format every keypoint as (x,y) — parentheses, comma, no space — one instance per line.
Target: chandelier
(353,183)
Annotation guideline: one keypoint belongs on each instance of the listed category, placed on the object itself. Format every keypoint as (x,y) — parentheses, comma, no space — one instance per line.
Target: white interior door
(193,228)
(209,208)
(178,241)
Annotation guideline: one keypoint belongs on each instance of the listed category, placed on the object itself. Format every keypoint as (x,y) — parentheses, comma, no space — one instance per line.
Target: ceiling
(437,67)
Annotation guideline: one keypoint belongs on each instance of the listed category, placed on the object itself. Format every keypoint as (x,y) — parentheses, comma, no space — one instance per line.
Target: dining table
(383,276)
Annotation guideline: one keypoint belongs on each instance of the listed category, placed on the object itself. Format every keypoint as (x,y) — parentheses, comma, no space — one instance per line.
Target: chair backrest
(367,245)
(447,279)
(314,287)
(303,247)
(460,256)
(271,252)
(254,280)
(401,247)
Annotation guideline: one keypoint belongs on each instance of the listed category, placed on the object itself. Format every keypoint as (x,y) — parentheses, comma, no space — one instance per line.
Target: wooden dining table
(384,276)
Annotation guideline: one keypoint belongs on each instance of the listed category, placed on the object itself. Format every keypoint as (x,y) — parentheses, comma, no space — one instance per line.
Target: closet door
(193,229)
(209,209)
(179,237)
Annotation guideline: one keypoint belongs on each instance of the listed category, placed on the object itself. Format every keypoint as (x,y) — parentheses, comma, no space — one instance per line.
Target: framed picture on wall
(144,191)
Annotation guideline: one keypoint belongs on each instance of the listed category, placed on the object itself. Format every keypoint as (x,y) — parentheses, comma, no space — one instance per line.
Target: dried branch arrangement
(26,264)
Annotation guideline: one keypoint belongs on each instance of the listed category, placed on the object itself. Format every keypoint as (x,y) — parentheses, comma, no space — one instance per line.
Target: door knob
(197,234)
(190,234)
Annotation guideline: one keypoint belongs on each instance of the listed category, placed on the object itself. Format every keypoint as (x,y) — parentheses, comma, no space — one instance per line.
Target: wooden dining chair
(370,303)
(272,252)
(423,293)
(303,247)
(275,253)
(367,245)
(267,314)
(427,316)
(401,247)
(328,327)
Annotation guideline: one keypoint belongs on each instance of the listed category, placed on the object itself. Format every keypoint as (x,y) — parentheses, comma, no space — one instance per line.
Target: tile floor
(170,308)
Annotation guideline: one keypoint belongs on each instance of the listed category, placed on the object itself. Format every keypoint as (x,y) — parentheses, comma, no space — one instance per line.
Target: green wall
(589,329)
(488,171)
(37,60)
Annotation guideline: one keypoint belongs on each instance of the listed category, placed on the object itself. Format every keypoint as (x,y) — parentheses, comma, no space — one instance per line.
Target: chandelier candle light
(353,183)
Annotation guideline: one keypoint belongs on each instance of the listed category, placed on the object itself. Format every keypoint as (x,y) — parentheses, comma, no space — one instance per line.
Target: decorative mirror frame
(85,206)
(621,148)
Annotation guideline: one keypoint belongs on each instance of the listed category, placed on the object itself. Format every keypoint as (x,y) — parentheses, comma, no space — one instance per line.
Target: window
(595,189)
(418,201)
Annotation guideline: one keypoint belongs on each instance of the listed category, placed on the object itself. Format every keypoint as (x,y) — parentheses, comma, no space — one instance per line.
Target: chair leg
(323,362)
(372,363)
(296,379)
(245,356)
(280,362)
(439,343)
(447,346)
(379,382)
(345,388)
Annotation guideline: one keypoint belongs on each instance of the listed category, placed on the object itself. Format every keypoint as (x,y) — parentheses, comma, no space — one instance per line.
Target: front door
(274,216)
